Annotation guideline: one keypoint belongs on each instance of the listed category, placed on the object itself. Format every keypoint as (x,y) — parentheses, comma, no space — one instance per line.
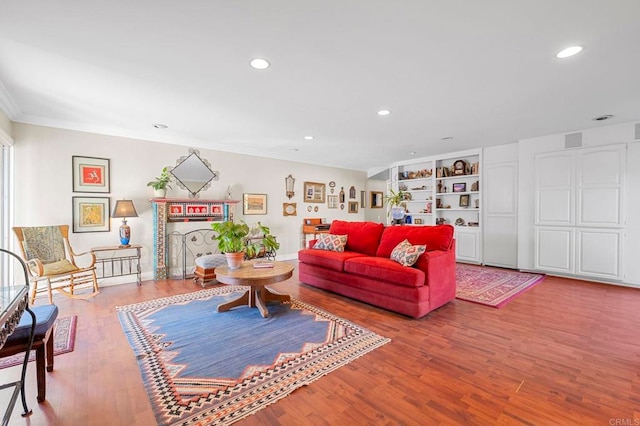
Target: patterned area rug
(64,338)
(491,286)
(201,367)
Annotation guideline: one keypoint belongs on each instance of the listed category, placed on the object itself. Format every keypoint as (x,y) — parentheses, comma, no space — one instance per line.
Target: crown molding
(8,106)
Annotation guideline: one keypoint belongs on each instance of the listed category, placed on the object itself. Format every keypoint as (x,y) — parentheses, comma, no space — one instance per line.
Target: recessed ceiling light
(412,153)
(602,117)
(309,138)
(384,112)
(160,126)
(259,63)
(569,51)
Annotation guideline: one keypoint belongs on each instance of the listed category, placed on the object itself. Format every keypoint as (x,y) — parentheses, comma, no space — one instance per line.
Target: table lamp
(124,209)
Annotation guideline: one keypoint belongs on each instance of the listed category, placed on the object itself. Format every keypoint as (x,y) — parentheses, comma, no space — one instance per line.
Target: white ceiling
(482,72)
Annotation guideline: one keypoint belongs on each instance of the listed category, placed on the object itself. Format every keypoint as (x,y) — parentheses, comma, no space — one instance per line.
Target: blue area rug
(203,367)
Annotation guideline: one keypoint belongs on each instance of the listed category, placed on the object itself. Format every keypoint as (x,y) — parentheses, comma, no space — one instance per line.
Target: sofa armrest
(439,267)
(312,243)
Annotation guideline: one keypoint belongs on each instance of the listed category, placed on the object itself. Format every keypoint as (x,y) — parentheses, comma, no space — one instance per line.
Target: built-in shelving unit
(445,189)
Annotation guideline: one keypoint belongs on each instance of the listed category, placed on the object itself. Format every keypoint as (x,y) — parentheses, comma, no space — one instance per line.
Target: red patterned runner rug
(202,367)
(492,286)
(64,338)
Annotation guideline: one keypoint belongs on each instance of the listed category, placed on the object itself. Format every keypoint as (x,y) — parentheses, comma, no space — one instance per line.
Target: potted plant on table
(265,244)
(236,240)
(161,183)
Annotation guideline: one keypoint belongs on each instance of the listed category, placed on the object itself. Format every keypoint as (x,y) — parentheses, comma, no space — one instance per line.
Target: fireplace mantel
(182,210)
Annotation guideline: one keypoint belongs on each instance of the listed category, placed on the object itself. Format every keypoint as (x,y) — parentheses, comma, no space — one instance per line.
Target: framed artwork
(289,209)
(464,200)
(90,174)
(363,199)
(375,199)
(332,201)
(254,204)
(353,207)
(91,214)
(459,187)
(314,192)
(352,192)
(418,221)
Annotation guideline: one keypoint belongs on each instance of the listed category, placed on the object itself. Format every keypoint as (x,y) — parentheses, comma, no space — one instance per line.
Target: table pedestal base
(256,297)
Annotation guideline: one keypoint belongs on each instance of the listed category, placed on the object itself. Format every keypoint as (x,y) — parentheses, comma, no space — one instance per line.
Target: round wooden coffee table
(257,279)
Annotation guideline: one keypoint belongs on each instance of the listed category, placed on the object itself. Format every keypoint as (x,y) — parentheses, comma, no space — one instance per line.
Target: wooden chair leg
(49,351)
(40,378)
(49,291)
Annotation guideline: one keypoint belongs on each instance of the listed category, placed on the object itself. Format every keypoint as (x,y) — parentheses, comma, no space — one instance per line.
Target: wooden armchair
(51,259)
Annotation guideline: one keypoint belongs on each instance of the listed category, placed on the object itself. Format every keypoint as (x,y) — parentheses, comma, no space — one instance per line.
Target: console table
(14,300)
(118,261)
(166,210)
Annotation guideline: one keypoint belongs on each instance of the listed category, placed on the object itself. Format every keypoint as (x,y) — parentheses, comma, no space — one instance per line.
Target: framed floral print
(90,174)
(91,214)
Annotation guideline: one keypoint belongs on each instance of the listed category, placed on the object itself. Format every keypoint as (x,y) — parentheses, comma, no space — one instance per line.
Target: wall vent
(573,140)
(637,135)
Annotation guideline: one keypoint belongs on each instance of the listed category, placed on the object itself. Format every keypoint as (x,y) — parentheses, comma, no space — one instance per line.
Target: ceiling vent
(637,135)
(573,140)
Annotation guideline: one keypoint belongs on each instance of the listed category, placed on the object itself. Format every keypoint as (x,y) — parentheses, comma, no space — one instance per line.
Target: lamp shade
(124,208)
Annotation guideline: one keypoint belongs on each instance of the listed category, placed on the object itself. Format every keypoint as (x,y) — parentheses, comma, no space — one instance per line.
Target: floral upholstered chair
(51,260)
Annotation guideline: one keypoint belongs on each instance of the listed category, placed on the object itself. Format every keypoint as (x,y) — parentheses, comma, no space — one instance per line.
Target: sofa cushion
(437,237)
(331,242)
(363,237)
(385,270)
(406,254)
(326,259)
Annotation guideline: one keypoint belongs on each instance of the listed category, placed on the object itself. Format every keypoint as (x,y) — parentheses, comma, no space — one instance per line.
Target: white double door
(579,223)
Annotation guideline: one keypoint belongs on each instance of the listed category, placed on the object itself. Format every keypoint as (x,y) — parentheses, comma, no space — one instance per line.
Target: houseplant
(260,242)
(396,202)
(161,183)
(237,240)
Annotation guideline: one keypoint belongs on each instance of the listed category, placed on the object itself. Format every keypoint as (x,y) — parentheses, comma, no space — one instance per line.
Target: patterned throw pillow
(331,242)
(406,254)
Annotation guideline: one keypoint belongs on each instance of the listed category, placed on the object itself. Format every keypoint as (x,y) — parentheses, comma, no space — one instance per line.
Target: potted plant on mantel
(161,183)
(235,241)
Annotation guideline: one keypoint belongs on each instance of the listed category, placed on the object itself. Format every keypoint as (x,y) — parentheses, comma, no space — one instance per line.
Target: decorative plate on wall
(289,209)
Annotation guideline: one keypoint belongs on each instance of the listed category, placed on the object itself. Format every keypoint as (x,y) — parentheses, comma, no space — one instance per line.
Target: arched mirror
(194,173)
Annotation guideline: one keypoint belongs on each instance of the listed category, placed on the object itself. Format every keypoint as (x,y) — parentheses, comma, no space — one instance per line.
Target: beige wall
(43,185)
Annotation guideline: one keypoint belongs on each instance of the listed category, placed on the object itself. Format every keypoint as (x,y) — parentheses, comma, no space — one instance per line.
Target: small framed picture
(90,174)
(353,207)
(363,199)
(418,221)
(289,209)
(254,204)
(91,214)
(332,201)
(460,187)
(314,192)
(464,200)
(376,200)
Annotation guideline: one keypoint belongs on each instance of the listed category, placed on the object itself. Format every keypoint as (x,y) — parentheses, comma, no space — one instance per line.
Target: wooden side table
(118,261)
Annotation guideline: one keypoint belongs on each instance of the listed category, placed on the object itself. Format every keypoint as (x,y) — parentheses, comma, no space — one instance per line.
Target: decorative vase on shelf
(160,193)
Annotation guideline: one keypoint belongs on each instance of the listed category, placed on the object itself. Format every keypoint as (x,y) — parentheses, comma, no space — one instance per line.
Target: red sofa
(364,270)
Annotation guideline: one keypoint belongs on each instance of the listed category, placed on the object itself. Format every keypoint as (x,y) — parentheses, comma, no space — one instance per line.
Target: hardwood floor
(565,352)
